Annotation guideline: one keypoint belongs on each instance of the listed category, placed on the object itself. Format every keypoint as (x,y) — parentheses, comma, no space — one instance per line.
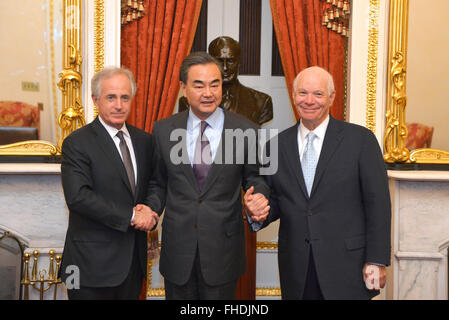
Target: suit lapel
(331,141)
(139,156)
(293,157)
(108,147)
(181,123)
(216,168)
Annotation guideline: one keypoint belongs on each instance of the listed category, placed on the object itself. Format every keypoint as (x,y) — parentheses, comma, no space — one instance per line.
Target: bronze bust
(252,104)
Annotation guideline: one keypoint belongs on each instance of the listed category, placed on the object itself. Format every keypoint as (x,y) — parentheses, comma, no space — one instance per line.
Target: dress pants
(129,289)
(312,289)
(196,287)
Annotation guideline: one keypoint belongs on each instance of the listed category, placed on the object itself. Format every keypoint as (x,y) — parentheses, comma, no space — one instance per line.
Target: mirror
(40,104)
(416,129)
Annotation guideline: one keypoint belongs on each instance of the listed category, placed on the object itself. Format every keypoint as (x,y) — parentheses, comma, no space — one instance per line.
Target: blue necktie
(309,161)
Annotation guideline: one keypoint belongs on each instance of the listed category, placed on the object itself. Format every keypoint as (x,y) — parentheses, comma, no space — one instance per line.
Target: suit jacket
(346,219)
(210,219)
(99,238)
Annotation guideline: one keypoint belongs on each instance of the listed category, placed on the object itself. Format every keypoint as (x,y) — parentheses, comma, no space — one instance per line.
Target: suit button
(196,226)
(200,200)
(307,241)
(309,213)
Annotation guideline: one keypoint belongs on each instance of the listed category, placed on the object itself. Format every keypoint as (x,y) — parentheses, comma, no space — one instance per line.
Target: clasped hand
(256,205)
(144,218)
(374,276)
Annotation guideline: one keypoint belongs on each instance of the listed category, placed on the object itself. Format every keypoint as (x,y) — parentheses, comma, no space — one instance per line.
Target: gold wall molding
(373,45)
(429,156)
(266,245)
(395,129)
(99,40)
(52,65)
(268,292)
(29,148)
(72,114)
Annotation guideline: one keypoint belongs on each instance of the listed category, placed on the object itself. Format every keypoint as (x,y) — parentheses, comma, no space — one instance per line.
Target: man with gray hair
(106,166)
(331,196)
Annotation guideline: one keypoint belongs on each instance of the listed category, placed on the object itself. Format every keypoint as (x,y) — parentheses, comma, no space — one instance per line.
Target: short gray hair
(107,73)
(196,58)
(331,86)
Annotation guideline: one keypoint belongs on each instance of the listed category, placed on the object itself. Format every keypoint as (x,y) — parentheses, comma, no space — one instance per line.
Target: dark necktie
(126,156)
(202,158)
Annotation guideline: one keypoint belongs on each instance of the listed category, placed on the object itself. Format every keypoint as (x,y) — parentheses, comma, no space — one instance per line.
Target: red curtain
(304,42)
(153,48)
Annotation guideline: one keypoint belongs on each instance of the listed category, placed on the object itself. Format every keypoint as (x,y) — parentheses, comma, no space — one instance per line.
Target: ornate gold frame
(395,129)
(72,115)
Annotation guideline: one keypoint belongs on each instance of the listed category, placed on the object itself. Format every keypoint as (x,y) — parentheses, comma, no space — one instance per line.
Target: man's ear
(94,99)
(332,97)
(183,88)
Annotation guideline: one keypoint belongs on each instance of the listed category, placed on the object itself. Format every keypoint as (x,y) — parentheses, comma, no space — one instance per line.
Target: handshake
(144,218)
(256,205)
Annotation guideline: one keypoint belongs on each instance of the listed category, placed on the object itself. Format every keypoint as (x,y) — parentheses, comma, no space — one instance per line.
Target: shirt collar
(319,131)
(213,120)
(113,131)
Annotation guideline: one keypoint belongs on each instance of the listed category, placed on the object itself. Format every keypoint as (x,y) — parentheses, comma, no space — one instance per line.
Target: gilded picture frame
(395,150)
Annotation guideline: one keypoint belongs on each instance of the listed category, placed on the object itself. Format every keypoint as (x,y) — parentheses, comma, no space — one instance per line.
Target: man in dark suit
(106,166)
(331,195)
(248,102)
(203,239)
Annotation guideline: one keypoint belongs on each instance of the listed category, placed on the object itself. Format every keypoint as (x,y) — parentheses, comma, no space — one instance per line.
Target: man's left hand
(374,276)
(256,205)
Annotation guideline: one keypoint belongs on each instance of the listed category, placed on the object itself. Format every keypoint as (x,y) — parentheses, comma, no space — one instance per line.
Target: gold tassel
(334,26)
(325,19)
(346,7)
(141,6)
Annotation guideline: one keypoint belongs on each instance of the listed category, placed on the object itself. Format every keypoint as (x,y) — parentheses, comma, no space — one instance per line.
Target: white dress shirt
(213,131)
(113,133)
(319,131)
